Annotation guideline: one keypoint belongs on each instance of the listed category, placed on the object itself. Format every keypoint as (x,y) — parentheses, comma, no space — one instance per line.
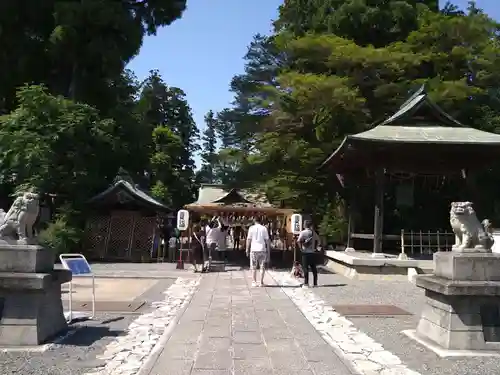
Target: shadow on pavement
(330,285)
(87,335)
(112,320)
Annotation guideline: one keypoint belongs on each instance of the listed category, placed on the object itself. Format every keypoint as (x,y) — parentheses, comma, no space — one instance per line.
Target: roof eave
(232,191)
(335,153)
(121,184)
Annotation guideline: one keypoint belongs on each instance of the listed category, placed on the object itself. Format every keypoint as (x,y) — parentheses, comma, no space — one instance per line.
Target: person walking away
(213,238)
(197,247)
(172,246)
(306,243)
(258,250)
(236,237)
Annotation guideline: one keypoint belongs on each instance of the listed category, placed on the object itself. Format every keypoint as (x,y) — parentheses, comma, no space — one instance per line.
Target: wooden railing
(425,242)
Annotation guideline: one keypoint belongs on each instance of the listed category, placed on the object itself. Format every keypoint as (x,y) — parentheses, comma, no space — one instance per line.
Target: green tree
(229,163)
(333,67)
(209,150)
(75,47)
(366,22)
(81,121)
(164,107)
(55,146)
(165,167)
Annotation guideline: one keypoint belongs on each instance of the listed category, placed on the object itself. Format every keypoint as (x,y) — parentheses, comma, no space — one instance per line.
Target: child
(297,271)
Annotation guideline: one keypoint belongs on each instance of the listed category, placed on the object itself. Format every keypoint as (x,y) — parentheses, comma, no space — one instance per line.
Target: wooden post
(349,227)
(189,244)
(180,262)
(378,225)
(295,248)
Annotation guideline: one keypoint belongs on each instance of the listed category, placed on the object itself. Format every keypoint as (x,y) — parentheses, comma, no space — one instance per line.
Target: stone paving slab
(367,356)
(231,328)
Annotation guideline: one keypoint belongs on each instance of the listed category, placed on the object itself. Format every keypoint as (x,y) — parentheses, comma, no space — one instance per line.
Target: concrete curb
(148,365)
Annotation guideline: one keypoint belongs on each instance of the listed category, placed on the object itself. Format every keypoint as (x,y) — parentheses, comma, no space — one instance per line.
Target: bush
(333,226)
(61,237)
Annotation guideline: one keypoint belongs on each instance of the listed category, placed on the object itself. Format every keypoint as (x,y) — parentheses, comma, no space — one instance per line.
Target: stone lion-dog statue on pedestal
(17,225)
(470,234)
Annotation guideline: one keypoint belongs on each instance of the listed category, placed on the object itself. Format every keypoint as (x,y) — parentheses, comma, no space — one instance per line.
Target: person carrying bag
(308,250)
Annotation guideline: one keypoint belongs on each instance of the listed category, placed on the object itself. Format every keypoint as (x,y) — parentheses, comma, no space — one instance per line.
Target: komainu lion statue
(18,222)
(469,232)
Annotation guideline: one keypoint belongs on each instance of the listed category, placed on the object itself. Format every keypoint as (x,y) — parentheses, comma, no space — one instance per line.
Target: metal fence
(425,242)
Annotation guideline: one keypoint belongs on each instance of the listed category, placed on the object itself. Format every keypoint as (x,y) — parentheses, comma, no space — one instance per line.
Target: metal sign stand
(78,265)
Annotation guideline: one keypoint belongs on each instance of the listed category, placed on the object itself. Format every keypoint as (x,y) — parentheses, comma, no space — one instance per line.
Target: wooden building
(385,162)
(123,223)
(238,207)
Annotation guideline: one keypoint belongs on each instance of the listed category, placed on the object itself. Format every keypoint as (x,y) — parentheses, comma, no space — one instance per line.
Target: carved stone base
(461,322)
(462,310)
(481,250)
(31,309)
(25,258)
(471,266)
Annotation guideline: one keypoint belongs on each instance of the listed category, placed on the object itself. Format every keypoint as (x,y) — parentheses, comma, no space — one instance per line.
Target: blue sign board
(78,266)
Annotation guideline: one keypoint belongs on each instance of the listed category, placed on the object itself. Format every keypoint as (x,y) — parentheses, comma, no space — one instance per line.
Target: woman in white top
(213,235)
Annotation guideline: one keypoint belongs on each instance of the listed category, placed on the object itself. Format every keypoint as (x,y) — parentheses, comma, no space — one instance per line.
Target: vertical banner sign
(296,223)
(182,220)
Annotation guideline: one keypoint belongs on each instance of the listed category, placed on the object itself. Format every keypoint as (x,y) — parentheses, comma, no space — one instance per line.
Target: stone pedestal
(462,311)
(30,295)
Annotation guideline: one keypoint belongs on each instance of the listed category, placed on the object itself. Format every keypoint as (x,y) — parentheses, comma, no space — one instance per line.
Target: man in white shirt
(212,238)
(258,250)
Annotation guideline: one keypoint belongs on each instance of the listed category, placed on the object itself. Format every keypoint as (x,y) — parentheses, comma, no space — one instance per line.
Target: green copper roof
(427,134)
(418,121)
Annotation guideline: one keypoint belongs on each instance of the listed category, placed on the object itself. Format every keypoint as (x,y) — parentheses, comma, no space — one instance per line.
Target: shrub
(61,236)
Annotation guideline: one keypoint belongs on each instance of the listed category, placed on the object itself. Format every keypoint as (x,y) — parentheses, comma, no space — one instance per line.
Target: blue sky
(203,50)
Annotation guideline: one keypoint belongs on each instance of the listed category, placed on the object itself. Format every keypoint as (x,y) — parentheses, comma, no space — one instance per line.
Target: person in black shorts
(236,237)
(197,247)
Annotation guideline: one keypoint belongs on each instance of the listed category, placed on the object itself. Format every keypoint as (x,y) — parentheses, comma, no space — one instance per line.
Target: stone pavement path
(231,328)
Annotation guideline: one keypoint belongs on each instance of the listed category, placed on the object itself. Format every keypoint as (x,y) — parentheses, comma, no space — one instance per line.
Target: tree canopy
(73,117)
(333,67)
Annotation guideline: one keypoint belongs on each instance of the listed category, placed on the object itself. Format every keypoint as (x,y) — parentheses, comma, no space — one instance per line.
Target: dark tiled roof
(133,191)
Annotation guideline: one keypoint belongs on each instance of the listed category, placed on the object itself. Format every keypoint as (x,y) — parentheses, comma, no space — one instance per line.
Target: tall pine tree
(209,150)
(167,116)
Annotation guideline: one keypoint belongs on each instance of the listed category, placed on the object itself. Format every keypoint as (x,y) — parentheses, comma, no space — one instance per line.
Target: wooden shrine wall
(123,235)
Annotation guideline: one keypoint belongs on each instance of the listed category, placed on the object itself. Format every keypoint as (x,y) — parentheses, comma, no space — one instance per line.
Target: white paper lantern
(182,220)
(296,223)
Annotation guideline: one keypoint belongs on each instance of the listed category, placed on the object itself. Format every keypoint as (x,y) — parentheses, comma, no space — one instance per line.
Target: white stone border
(366,355)
(129,353)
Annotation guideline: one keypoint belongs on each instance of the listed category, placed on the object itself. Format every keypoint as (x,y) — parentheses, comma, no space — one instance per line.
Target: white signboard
(296,223)
(182,220)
